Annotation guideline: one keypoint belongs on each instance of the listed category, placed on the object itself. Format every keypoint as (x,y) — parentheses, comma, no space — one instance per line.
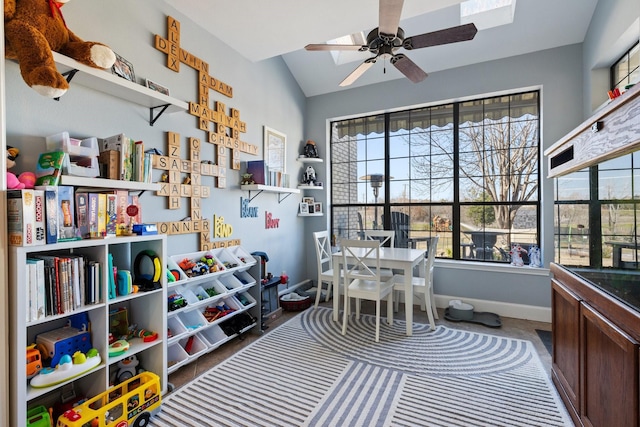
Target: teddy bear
(35,28)
(13,183)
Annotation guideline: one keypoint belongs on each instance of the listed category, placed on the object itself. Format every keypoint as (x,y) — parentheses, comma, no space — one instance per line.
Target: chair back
(400,225)
(382,236)
(323,250)
(431,256)
(357,259)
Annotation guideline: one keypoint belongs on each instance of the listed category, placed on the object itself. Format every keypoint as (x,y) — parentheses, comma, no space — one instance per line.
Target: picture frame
(157,87)
(304,208)
(123,68)
(309,200)
(311,209)
(317,207)
(275,148)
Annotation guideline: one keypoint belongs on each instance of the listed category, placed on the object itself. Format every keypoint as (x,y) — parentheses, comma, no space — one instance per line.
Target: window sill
(490,267)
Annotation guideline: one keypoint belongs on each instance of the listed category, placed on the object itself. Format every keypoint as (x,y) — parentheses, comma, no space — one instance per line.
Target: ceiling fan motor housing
(384,44)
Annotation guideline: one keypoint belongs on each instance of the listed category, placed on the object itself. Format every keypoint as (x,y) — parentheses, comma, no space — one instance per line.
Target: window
(466,171)
(626,70)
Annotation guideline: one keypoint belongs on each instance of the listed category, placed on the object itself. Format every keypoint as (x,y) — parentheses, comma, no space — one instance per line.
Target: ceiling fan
(385,40)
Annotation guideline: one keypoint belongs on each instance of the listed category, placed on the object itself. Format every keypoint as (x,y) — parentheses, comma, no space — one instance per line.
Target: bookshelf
(144,309)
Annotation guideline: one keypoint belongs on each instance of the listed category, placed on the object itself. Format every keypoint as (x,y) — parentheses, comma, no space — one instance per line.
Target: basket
(298,303)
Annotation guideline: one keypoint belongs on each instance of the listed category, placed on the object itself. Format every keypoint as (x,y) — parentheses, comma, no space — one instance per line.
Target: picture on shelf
(317,207)
(312,209)
(275,144)
(123,68)
(304,208)
(309,200)
(157,87)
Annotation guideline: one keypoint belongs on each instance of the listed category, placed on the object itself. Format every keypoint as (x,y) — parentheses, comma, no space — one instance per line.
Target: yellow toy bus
(130,403)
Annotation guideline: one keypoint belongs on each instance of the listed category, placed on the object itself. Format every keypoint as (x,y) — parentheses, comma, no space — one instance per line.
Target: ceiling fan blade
(355,74)
(449,35)
(354,47)
(389,16)
(408,68)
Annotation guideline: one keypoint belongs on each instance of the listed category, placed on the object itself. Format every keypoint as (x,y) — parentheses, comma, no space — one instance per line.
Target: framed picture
(123,68)
(157,87)
(317,207)
(312,208)
(309,200)
(304,208)
(275,147)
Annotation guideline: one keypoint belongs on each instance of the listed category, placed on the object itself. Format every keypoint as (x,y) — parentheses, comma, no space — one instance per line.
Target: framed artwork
(275,147)
(317,207)
(309,200)
(157,87)
(123,68)
(312,208)
(304,208)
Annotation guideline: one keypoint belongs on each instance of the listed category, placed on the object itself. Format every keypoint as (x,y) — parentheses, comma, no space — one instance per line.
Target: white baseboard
(504,309)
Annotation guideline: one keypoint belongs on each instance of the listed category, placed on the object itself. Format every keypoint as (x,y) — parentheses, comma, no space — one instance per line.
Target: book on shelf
(82,214)
(112,215)
(25,217)
(123,145)
(49,168)
(258,171)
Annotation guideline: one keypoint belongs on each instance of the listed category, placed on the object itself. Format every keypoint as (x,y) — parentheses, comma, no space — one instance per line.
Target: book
(124,145)
(111,218)
(122,219)
(31,290)
(138,155)
(82,214)
(21,214)
(39,235)
(92,215)
(49,168)
(60,213)
(102,214)
(258,170)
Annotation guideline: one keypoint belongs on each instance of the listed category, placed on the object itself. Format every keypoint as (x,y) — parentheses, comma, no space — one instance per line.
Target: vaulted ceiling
(260,30)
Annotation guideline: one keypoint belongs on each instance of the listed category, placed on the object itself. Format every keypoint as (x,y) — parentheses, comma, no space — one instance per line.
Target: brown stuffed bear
(34,28)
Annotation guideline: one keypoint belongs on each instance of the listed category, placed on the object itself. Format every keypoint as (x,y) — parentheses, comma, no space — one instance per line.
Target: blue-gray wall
(264,92)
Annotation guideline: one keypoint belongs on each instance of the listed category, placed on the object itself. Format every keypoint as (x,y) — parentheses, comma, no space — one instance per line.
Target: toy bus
(130,403)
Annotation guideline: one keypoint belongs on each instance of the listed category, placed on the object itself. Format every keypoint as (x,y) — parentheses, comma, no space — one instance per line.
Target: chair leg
(428,302)
(358,308)
(390,303)
(318,293)
(345,313)
(377,320)
(434,309)
(329,291)
(396,300)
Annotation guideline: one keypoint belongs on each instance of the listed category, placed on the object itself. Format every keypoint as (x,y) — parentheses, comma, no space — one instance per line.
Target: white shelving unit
(303,187)
(191,334)
(145,309)
(110,84)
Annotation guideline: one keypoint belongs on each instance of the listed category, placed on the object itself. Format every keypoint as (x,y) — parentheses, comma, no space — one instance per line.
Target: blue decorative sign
(247,211)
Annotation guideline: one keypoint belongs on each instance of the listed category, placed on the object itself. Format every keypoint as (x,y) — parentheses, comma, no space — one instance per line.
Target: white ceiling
(263,29)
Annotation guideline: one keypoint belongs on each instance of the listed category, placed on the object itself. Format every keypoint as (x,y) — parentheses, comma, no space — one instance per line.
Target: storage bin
(193,346)
(245,278)
(176,356)
(232,283)
(175,328)
(243,256)
(192,319)
(214,336)
(73,147)
(245,299)
(228,260)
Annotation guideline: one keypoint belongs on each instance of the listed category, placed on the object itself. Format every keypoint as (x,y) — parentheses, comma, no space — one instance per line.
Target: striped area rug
(305,373)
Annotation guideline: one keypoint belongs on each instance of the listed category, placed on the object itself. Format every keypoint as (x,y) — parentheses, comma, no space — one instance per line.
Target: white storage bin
(227,259)
(245,299)
(214,336)
(176,327)
(73,147)
(81,166)
(232,283)
(173,266)
(197,346)
(219,288)
(192,320)
(176,357)
(243,256)
(196,258)
(245,278)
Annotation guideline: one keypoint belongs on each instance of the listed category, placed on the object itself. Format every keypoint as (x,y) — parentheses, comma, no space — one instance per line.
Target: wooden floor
(516,328)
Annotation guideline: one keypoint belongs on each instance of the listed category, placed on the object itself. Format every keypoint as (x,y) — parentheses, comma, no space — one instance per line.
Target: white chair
(383,236)
(363,280)
(324,264)
(422,285)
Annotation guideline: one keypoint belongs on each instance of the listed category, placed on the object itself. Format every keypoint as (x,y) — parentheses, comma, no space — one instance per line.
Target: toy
(309,176)
(535,257)
(13,183)
(118,347)
(34,361)
(28,179)
(247,179)
(35,28)
(176,301)
(39,416)
(128,368)
(310,149)
(69,367)
(516,255)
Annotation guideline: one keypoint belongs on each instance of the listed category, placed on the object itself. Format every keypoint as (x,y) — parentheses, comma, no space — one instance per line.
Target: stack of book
(261,174)
(133,164)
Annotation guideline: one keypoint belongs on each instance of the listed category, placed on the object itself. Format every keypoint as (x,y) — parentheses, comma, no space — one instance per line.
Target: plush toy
(13,183)
(34,28)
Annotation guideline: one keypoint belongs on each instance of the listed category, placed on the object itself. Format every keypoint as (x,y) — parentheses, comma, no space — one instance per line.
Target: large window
(466,171)
(626,70)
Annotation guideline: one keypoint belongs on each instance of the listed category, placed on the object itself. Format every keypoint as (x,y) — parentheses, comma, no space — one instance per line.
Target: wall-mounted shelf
(104,81)
(310,187)
(270,189)
(84,182)
(310,160)
(313,214)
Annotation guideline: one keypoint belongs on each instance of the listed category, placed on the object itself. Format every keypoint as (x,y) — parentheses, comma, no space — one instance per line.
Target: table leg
(336,288)
(408,296)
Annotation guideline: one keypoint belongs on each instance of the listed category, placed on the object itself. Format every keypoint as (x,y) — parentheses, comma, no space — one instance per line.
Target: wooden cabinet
(595,352)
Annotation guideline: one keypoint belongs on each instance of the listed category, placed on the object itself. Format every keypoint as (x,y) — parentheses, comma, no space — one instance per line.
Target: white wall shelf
(313,214)
(270,189)
(84,182)
(111,84)
(303,159)
(310,187)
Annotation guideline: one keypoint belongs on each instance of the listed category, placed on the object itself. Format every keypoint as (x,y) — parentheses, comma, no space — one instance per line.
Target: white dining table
(397,258)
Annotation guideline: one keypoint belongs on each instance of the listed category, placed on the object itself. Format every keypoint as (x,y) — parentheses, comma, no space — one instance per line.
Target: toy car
(34,362)
(176,301)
